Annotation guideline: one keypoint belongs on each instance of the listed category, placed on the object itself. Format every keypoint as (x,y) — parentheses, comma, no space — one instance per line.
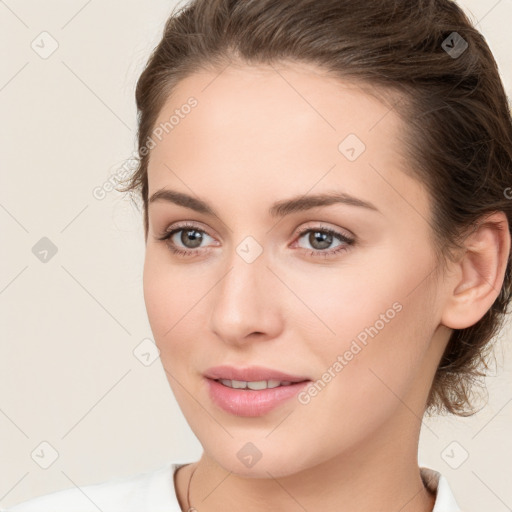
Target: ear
(479,274)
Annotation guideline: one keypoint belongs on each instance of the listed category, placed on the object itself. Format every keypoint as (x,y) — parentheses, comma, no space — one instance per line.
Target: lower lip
(250,402)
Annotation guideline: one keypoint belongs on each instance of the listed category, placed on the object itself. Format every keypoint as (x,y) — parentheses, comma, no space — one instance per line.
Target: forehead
(251,127)
(265,99)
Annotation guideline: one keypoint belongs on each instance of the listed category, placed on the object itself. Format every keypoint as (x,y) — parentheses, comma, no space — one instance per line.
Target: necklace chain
(189,508)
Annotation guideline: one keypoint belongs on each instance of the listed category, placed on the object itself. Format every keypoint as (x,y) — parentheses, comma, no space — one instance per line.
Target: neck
(378,475)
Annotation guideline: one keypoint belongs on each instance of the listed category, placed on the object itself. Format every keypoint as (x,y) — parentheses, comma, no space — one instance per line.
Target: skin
(263,134)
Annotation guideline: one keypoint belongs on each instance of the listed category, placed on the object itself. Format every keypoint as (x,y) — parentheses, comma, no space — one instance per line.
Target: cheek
(374,290)
(156,294)
(174,298)
(374,314)
(368,371)
(341,304)
(163,295)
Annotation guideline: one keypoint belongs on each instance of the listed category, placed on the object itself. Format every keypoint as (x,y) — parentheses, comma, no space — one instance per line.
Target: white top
(153,491)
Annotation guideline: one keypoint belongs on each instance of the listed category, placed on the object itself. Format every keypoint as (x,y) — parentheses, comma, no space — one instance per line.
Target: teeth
(256,385)
(238,384)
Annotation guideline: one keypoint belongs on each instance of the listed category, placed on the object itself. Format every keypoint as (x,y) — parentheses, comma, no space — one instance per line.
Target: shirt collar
(437,483)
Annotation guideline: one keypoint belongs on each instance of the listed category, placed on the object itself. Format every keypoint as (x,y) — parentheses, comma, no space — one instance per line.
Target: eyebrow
(278,209)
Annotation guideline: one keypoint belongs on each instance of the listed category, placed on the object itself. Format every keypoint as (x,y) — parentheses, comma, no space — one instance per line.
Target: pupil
(188,236)
(325,239)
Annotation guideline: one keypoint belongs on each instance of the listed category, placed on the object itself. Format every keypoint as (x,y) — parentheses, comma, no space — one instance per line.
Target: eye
(321,238)
(191,237)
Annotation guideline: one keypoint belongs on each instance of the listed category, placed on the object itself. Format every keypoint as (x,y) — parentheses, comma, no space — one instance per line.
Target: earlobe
(480,274)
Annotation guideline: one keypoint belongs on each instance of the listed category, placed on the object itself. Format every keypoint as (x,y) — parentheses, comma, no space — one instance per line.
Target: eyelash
(315,253)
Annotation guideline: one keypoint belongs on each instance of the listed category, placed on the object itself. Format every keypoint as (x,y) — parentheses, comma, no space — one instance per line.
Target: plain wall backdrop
(78,403)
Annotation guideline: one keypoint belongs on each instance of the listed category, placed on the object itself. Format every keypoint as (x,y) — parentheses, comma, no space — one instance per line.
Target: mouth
(253,377)
(256,385)
(253,391)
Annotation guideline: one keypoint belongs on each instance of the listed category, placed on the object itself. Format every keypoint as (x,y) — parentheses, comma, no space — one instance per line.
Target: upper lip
(250,374)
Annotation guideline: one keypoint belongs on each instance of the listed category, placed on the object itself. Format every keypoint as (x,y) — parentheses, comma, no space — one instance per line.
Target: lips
(251,374)
(251,403)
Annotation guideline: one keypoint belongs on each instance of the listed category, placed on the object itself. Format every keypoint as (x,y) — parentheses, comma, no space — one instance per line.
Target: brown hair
(459,137)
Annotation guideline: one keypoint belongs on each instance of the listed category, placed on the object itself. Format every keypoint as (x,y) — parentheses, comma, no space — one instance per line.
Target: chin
(259,458)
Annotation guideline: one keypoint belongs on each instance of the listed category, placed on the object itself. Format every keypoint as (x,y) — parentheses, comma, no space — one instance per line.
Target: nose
(245,305)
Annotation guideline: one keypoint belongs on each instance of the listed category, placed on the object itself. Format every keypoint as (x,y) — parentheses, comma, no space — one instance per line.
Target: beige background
(70,326)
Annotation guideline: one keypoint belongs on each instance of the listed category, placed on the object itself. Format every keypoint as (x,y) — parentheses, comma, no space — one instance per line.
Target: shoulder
(151,490)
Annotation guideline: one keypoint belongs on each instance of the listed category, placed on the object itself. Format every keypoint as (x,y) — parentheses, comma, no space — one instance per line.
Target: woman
(327,249)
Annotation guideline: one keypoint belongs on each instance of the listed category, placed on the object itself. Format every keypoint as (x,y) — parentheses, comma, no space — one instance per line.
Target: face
(338,293)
